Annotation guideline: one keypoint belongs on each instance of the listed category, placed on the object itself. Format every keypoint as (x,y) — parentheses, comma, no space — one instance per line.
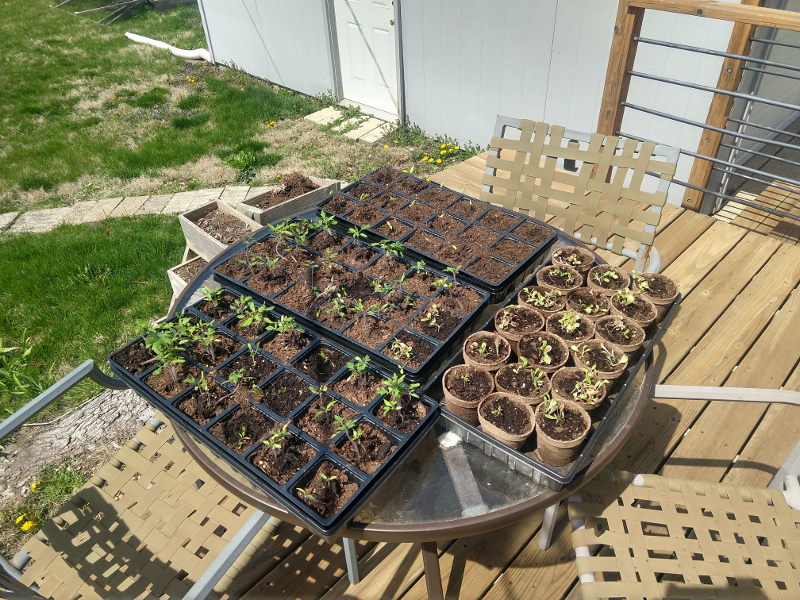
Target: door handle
(391,22)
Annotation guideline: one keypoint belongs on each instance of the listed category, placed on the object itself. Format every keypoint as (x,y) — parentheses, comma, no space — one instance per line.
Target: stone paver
(128,207)
(349,123)
(79,211)
(7,218)
(257,191)
(203,197)
(375,134)
(180,203)
(364,128)
(101,210)
(324,116)
(39,221)
(154,205)
(233,194)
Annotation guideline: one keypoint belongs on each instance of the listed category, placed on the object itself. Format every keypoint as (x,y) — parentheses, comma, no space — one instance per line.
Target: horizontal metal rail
(727,394)
(774,43)
(764,154)
(765,72)
(766,209)
(764,127)
(756,179)
(759,61)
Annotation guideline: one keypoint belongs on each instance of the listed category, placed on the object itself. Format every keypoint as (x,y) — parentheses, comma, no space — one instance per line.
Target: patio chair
(665,537)
(616,195)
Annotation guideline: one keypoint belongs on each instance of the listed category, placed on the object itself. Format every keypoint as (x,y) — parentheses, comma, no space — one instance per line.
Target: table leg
(433,576)
(548,525)
(352,560)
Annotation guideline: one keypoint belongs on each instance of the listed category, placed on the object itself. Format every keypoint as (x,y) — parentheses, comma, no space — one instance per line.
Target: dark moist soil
(412,415)
(202,408)
(331,320)
(223,227)
(298,297)
(458,254)
(324,240)
(323,428)
(636,312)
(277,348)
(519,383)
(270,248)
(478,386)
(598,303)
(235,269)
(490,269)
(596,357)
(374,448)
(321,368)
(616,336)
(392,229)
(557,281)
(459,298)
(222,310)
(268,283)
(511,418)
(424,241)
(500,220)
(579,333)
(164,385)
(522,321)
(477,235)
(438,197)
(356,255)
(328,498)
(568,385)
(531,232)
(660,289)
(338,205)
(186,272)
(325,275)
(421,350)
(570,428)
(223,346)
(400,309)
(421,283)
(447,321)
(361,188)
(292,185)
(493,350)
(256,368)
(445,224)
(555,303)
(530,350)
(511,250)
(384,176)
(410,186)
(248,416)
(366,215)
(296,261)
(465,208)
(376,333)
(294,455)
(416,213)
(358,286)
(386,268)
(388,201)
(564,256)
(132,358)
(357,394)
(612,284)
(284,402)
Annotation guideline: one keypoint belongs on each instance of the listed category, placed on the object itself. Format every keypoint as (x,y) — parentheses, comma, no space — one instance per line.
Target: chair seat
(676,538)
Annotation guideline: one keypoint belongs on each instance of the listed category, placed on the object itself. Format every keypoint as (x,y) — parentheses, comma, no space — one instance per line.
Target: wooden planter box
(175,280)
(200,241)
(307,201)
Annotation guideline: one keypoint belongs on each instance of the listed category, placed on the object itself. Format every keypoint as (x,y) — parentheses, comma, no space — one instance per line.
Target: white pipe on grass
(199,53)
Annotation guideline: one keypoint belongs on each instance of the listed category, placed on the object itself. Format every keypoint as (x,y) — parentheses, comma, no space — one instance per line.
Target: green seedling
(483,350)
(358,370)
(544,352)
(589,389)
(392,405)
(166,341)
(288,329)
(547,300)
(275,441)
(581,351)
(570,322)
(307,495)
(374,310)
(329,480)
(563,274)
(553,409)
(591,308)
(323,355)
(325,222)
(251,314)
(324,413)
(212,296)
(252,262)
(338,307)
(619,325)
(418,267)
(626,298)
(205,334)
(465,379)
(357,232)
(611,360)
(606,277)
(252,349)
(429,318)
(352,436)
(498,410)
(401,350)
(395,389)
(641,283)
(507,320)
(243,438)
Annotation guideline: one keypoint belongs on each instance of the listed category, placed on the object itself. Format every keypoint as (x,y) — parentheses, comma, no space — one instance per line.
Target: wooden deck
(737,326)
(753,219)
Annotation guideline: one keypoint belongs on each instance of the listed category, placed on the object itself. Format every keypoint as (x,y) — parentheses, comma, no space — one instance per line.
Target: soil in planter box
(356,255)
(423,241)
(531,232)
(223,227)
(498,219)
(490,269)
(324,240)
(402,310)
(269,282)
(235,269)
(366,215)
(510,417)
(247,426)
(478,386)
(477,235)
(298,297)
(530,349)
(285,351)
(322,364)
(445,224)
(467,208)
(459,298)
(518,383)
(328,497)
(404,420)
(223,347)
(416,212)
(388,201)
(296,262)
(410,186)
(586,302)
(285,393)
(438,197)
(579,333)
(392,229)
(384,176)
(323,428)
(338,205)
(421,283)
(270,248)
(256,367)
(292,457)
(222,309)
(570,428)
(202,406)
(660,289)
(562,281)
(358,286)
(519,322)
(164,385)
(292,185)
(373,449)
(458,254)
(420,350)
(324,314)
(322,277)
(446,323)
(134,357)
(638,312)
(374,335)
(186,272)
(511,250)
(360,189)
(386,268)
(353,391)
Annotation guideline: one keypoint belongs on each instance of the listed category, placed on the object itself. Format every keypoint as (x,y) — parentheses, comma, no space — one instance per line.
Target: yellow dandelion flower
(438,160)
(277,176)
(386,145)
(427,179)
(19,518)
(405,170)
(457,148)
(443,145)
(443,152)
(395,141)
(451,150)
(27,525)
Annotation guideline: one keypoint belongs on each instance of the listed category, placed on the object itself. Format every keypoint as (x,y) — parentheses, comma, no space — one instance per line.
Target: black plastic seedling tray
(526,460)
(285,493)
(405,328)
(510,231)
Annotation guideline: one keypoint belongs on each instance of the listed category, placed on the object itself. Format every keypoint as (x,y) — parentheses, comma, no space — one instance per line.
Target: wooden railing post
(720,109)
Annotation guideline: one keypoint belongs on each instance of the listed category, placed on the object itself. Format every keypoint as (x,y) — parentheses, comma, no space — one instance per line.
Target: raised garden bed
(293,188)
(276,417)
(495,248)
(213,227)
(183,273)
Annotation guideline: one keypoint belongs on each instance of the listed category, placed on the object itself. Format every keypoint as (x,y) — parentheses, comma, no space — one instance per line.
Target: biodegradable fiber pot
(551,278)
(512,440)
(576,257)
(457,404)
(590,303)
(560,452)
(662,292)
(499,348)
(506,374)
(561,392)
(607,283)
(596,357)
(643,312)
(530,348)
(512,322)
(613,328)
(553,302)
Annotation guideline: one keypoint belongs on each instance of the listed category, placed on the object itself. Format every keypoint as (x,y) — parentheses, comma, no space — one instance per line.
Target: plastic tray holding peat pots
(526,460)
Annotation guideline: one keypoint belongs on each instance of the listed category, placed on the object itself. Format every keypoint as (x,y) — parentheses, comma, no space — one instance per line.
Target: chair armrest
(730,394)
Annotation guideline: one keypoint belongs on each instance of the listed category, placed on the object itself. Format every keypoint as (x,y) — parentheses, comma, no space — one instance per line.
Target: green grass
(77,293)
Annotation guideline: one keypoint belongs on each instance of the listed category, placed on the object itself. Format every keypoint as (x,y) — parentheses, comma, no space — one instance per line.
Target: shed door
(366,33)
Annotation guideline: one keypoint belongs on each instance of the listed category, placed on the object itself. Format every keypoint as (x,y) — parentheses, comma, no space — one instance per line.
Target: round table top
(428,497)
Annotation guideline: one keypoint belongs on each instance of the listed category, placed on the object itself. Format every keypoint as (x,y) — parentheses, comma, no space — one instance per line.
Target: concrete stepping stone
(39,221)
(154,205)
(324,116)
(128,207)
(101,210)
(179,203)
(233,194)
(376,134)
(7,219)
(348,123)
(364,128)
